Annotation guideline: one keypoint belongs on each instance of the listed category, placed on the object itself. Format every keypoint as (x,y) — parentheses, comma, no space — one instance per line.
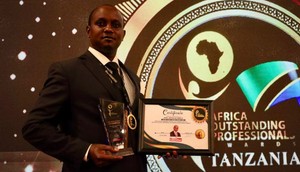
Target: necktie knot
(113,66)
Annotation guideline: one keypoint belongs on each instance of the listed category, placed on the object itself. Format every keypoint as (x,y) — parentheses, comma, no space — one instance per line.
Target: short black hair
(93,11)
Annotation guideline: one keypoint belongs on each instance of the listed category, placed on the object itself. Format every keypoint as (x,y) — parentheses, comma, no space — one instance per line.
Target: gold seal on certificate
(200,114)
(114,118)
(200,134)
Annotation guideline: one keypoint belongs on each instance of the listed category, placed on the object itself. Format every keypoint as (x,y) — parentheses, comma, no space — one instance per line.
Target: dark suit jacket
(66,119)
(172,134)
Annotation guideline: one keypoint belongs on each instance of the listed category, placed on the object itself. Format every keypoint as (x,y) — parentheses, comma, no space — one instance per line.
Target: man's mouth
(108,38)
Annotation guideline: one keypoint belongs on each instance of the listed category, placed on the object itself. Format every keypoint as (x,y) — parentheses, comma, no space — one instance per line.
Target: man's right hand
(102,155)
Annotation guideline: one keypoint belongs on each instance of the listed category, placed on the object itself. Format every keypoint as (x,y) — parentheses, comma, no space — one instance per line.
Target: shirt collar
(101,57)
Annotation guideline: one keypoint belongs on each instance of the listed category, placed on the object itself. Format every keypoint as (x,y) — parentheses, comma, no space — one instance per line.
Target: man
(175,132)
(66,123)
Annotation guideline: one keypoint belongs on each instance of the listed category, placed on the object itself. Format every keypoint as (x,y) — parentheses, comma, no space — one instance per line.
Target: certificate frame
(195,121)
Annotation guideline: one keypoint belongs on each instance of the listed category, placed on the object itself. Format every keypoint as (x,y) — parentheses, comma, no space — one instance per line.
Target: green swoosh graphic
(256,80)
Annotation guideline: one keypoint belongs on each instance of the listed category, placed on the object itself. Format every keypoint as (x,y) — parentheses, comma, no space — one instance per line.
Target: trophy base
(125,152)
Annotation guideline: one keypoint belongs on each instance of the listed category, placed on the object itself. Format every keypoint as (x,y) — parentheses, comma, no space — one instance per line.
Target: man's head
(106,30)
(175,128)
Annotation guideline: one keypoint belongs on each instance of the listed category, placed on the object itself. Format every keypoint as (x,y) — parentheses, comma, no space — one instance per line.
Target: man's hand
(102,155)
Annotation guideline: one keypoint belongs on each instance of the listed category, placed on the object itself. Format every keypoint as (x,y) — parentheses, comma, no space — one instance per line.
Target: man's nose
(108,28)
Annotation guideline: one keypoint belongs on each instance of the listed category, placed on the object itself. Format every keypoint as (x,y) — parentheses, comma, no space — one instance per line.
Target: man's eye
(116,25)
(101,23)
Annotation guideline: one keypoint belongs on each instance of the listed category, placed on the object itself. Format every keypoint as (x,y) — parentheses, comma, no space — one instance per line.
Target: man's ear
(88,29)
(124,34)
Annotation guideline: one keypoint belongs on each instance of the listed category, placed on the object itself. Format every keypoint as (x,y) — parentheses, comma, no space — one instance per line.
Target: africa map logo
(255,81)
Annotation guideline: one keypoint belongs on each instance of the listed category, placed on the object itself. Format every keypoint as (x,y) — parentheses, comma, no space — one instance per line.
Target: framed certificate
(182,125)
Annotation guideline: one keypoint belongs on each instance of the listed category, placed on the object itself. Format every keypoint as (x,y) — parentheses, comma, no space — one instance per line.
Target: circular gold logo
(200,114)
(200,134)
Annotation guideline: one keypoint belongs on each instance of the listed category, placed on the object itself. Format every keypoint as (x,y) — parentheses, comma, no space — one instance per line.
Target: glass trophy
(114,117)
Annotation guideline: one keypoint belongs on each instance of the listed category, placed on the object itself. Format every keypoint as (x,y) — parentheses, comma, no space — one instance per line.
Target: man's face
(106,30)
(175,128)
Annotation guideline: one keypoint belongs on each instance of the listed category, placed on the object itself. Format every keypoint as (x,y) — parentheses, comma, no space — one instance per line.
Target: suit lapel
(98,70)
